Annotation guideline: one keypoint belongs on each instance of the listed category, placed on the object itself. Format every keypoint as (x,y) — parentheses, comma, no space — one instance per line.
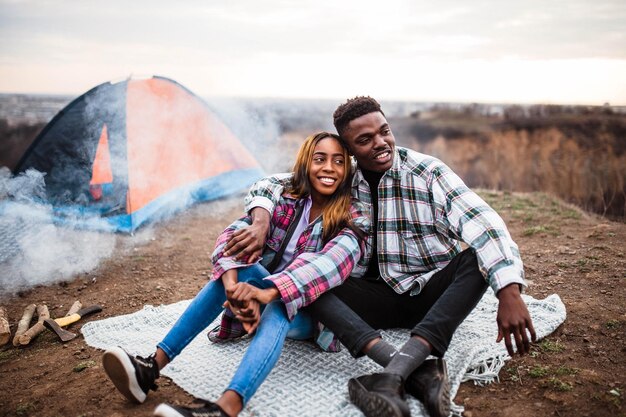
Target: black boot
(379,395)
(429,383)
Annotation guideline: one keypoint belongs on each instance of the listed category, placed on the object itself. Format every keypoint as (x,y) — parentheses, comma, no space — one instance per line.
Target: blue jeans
(266,345)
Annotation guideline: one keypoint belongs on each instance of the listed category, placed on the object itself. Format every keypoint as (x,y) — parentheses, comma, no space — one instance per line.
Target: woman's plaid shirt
(315,267)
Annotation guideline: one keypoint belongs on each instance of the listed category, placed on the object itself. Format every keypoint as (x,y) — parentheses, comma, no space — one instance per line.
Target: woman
(315,222)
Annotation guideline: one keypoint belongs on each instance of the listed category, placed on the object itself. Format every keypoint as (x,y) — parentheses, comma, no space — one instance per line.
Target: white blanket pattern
(307,381)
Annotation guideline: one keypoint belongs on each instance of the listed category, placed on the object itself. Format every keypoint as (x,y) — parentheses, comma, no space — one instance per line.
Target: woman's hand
(240,293)
(267,295)
(240,300)
(245,300)
(249,316)
(243,292)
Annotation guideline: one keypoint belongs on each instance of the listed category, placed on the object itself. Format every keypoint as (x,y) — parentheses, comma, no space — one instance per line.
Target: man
(418,277)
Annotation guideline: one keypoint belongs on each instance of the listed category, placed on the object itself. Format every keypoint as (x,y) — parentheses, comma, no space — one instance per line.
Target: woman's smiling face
(327,168)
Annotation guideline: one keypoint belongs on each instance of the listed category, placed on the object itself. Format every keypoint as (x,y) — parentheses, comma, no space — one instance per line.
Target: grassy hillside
(578,154)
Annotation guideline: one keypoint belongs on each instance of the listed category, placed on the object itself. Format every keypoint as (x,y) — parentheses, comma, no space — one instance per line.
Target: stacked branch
(30,334)
(24,335)
(5,330)
(24,323)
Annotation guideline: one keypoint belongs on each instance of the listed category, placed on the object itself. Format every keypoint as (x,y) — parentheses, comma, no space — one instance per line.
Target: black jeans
(355,309)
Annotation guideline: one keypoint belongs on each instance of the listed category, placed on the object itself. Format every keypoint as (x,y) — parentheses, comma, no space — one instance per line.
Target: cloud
(271,47)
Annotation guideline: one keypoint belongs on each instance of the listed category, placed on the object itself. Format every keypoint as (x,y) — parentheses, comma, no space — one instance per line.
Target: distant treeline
(577,153)
(15,139)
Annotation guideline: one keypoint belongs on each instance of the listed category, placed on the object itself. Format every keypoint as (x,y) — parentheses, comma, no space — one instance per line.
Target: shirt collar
(299,201)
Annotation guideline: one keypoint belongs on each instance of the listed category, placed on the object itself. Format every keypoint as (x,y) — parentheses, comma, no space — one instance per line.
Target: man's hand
(513,320)
(249,241)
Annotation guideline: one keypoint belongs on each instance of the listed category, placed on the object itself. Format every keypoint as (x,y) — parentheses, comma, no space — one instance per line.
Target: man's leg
(349,328)
(352,311)
(441,306)
(447,300)
(375,302)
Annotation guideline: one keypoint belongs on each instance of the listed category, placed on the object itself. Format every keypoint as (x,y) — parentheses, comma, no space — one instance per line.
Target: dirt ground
(577,371)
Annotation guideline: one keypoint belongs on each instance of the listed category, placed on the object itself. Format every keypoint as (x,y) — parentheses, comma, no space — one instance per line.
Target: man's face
(370,140)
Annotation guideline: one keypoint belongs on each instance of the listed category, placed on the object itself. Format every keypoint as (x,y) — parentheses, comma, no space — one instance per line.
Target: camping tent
(136,150)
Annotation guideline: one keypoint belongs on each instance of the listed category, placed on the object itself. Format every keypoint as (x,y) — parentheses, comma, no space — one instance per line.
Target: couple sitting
(355,250)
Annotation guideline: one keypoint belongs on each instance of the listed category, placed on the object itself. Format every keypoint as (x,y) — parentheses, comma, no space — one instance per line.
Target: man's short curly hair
(352,109)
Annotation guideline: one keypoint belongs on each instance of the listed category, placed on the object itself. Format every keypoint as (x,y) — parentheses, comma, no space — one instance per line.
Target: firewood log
(24,323)
(5,330)
(43,313)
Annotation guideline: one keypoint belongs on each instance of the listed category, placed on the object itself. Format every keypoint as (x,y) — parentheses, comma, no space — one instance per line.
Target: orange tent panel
(101,169)
(166,150)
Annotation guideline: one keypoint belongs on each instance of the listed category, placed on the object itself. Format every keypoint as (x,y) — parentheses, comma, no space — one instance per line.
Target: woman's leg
(301,327)
(134,376)
(262,354)
(204,308)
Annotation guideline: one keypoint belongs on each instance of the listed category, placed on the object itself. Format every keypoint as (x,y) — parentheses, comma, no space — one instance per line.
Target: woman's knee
(301,327)
(254,274)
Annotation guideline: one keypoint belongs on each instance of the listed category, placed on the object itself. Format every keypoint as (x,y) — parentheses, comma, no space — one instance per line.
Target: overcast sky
(531,51)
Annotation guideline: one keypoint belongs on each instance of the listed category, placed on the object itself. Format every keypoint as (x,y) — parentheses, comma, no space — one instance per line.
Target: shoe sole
(120,370)
(164,410)
(371,403)
(441,407)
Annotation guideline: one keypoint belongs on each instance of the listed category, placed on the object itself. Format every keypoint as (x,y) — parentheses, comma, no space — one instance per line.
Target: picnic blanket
(307,381)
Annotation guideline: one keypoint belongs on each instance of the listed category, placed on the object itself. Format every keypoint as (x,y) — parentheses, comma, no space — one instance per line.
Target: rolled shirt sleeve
(223,263)
(266,192)
(461,214)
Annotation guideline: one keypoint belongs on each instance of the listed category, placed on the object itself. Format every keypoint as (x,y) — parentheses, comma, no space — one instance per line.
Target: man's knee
(468,259)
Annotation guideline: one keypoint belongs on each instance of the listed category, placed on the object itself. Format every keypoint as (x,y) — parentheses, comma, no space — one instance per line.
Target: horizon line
(392,100)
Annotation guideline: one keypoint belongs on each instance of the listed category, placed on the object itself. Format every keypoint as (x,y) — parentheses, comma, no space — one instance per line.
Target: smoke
(257,127)
(35,251)
(273,130)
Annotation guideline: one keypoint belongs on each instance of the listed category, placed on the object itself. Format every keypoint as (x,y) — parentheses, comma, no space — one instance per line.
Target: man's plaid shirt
(425,210)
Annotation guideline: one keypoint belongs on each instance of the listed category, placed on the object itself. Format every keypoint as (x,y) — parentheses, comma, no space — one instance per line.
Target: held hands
(245,300)
(513,320)
(249,314)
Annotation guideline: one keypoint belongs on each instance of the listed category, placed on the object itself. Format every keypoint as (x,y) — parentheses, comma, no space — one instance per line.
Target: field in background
(577,153)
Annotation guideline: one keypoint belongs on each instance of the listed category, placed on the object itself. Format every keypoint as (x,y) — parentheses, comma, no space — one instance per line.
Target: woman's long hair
(336,211)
